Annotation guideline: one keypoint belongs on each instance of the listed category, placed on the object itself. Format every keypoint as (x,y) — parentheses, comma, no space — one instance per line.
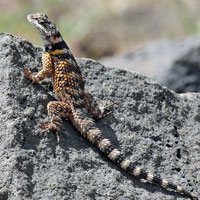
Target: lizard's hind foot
(50,126)
(97,110)
(105,109)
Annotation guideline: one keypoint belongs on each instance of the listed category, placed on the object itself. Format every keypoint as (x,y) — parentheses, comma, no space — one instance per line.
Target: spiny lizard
(74,103)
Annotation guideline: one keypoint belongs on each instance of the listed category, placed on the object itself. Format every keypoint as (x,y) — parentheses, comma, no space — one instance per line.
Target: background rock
(174,64)
(185,73)
(155,127)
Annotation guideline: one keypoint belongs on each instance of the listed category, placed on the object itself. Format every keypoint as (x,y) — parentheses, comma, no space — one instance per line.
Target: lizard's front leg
(45,72)
(56,111)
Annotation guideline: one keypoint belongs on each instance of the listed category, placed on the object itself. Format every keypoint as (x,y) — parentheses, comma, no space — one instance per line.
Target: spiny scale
(74,103)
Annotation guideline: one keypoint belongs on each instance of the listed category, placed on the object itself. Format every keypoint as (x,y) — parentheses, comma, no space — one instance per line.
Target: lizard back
(67,79)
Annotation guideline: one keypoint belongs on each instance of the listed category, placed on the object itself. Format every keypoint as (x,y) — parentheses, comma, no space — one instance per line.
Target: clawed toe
(27,73)
(49,126)
(109,105)
(29,76)
(106,111)
(44,125)
(57,136)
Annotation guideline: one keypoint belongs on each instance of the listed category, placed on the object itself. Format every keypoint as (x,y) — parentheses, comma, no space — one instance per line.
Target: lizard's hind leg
(96,110)
(56,111)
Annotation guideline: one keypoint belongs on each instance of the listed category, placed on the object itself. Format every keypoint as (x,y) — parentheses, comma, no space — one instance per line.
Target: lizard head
(43,25)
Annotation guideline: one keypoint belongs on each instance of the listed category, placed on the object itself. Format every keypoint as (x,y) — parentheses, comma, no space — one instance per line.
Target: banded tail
(86,126)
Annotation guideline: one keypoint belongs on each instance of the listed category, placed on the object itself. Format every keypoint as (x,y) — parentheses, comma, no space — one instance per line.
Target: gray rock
(185,73)
(174,64)
(155,127)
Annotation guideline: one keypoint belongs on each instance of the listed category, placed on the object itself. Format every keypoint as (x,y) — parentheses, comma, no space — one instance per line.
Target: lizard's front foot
(50,126)
(29,76)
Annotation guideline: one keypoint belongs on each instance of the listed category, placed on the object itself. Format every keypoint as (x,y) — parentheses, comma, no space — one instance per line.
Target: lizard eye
(44,23)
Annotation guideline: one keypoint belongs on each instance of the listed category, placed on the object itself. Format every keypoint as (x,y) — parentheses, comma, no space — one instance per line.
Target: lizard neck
(54,42)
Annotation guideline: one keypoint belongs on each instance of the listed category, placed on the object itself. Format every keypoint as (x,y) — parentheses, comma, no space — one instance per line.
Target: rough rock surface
(174,64)
(155,127)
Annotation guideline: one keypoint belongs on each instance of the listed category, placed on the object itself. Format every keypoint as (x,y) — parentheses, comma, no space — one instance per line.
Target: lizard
(75,104)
